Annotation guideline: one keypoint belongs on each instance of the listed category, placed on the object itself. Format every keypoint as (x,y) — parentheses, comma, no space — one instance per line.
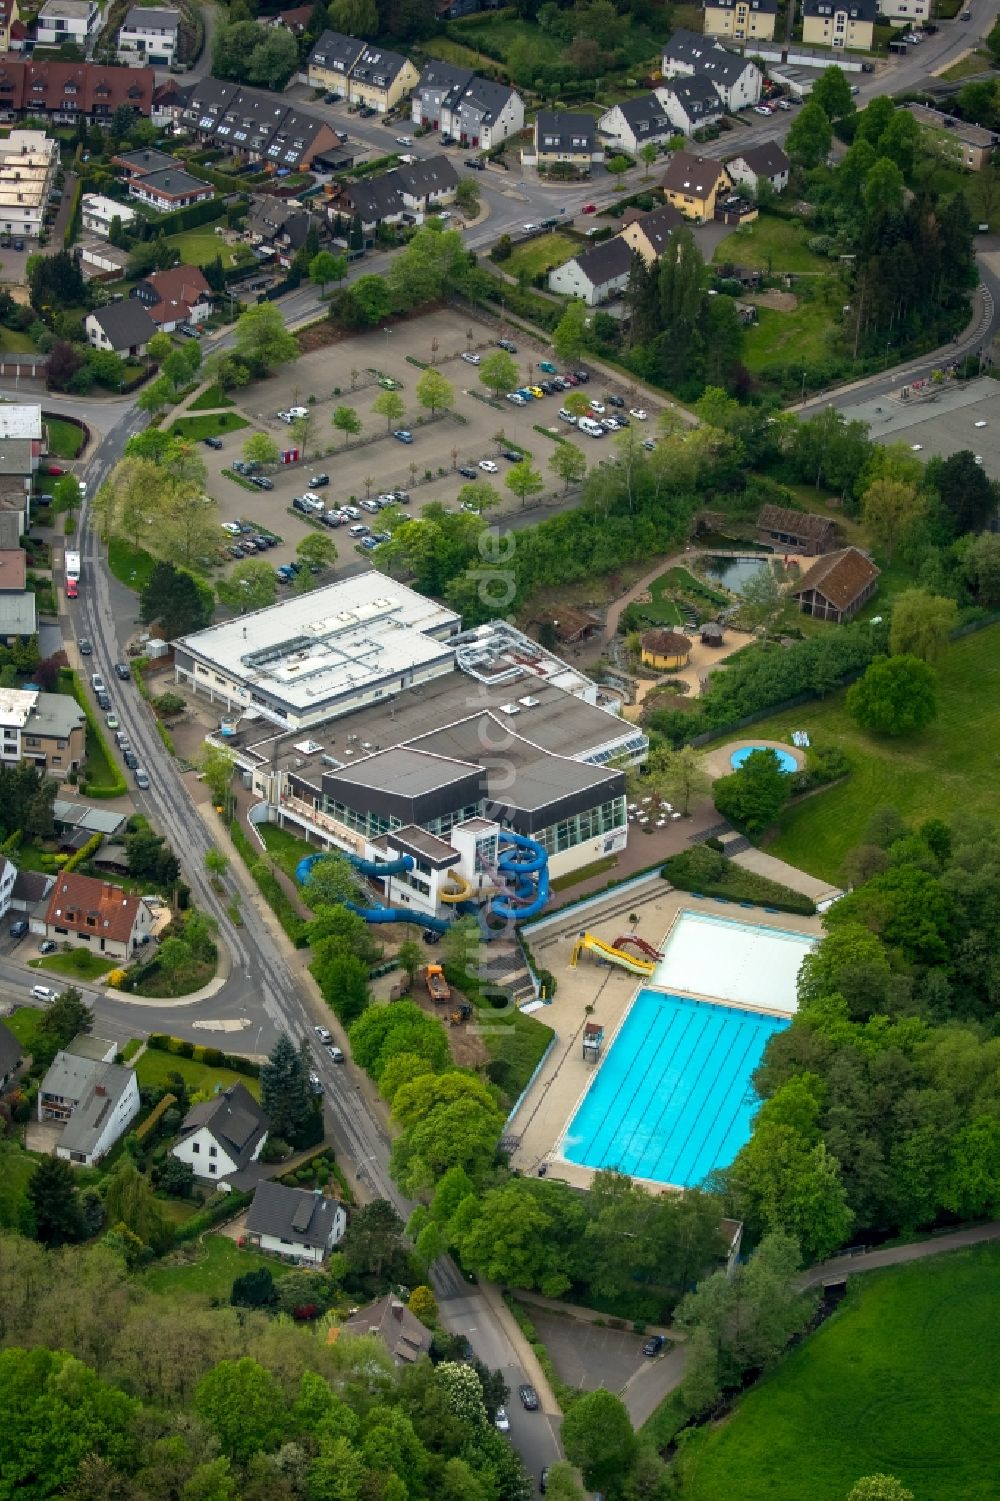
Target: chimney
(99,1089)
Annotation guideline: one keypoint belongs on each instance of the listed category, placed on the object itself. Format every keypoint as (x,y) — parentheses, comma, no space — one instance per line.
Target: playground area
(714,982)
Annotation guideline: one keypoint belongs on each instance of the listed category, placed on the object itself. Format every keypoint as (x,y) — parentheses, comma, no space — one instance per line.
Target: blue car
(369,544)
(523,391)
(403,434)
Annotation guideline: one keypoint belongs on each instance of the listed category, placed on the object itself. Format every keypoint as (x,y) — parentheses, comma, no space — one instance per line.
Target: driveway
(587,1356)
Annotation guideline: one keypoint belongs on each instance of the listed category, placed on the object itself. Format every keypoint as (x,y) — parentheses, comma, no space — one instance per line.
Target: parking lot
(428,468)
(938,420)
(586,1356)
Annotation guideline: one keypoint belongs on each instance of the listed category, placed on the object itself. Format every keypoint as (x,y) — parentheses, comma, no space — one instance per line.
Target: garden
(900,1380)
(772,244)
(539,256)
(65,438)
(208,425)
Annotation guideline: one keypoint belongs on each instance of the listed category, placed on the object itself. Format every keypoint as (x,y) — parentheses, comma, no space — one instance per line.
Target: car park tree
(571,336)
(434,392)
(498,372)
(524,480)
(391,406)
(318,549)
(569,463)
(577,404)
(251,586)
(478,496)
(262,339)
(346,420)
(302,431)
(260,448)
(326,267)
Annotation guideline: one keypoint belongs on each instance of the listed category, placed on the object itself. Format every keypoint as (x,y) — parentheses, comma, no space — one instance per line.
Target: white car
(488,466)
(502,1421)
(529,228)
(231,528)
(516,398)
(598,407)
(638,414)
(293,413)
(323,1033)
(471,359)
(404,140)
(761,109)
(567,416)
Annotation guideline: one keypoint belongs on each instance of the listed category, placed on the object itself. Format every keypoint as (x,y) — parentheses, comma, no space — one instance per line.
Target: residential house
(742,20)
(30,897)
(280,224)
(29,160)
(143,161)
(93,1098)
(11,1057)
(149,36)
(9,13)
(295,1223)
(961,144)
(483,115)
(170,100)
(295,20)
(8,878)
(381,79)
(690,104)
(252,124)
(331,60)
(123,327)
(17,603)
(736,79)
(73,21)
(107,919)
(66,92)
(596,274)
(910,13)
(223,1137)
(632,124)
(802,532)
(169,189)
(766,163)
(179,295)
(18,460)
(438,82)
(97,214)
(21,422)
(693,184)
(647,234)
(389,1319)
(842,24)
(836,586)
(564,140)
(414,191)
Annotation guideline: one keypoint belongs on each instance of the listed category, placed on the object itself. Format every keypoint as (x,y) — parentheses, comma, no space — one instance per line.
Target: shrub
(154,1117)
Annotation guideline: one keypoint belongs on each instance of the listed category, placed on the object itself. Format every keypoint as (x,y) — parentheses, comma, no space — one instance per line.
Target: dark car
(19,928)
(467,471)
(121,671)
(476,166)
(262,482)
(104,702)
(543,1480)
(18,244)
(614,401)
(581,376)
(403,435)
(529,1397)
(511,455)
(546,386)
(213,442)
(429,936)
(318,481)
(86,650)
(654,1344)
(507,344)
(130,758)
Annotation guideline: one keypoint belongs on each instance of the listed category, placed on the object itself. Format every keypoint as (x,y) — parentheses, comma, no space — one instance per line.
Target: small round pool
(786,760)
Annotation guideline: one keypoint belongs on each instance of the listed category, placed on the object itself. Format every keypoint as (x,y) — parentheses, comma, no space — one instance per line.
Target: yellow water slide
(459,891)
(612,955)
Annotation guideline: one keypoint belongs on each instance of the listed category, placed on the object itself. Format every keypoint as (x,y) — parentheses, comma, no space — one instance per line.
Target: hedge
(117,787)
(226,1206)
(160,1042)
(269,886)
(90,848)
(707,873)
(157,1113)
(191,217)
(73,222)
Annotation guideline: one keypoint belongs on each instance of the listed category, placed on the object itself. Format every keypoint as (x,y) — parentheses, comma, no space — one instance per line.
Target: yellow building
(381,79)
(741,20)
(849,26)
(693,184)
(665,649)
(9,13)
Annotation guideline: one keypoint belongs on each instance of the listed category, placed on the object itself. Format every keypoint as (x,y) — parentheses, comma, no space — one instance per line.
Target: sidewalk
(917,1250)
(525,1354)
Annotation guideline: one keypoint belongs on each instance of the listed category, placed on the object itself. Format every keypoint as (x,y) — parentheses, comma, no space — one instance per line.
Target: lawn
(219,1261)
(16,341)
(65,438)
(638,44)
(773,244)
(901,1380)
(78,964)
(952,765)
(515,1043)
(208,425)
(210,400)
(779,339)
(199,246)
(154,1067)
(130,565)
(24,1023)
(285,848)
(542,254)
(662,609)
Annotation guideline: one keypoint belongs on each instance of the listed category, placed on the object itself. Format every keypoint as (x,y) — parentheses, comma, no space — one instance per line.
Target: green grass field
(16,1167)
(285,847)
(952,765)
(901,1380)
(208,425)
(65,438)
(778,339)
(772,244)
(542,254)
(154,1067)
(199,246)
(15,341)
(217,1262)
(210,400)
(23,1023)
(130,565)
(78,964)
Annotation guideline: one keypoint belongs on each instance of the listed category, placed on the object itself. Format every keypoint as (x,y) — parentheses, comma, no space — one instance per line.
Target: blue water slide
(400,914)
(524,859)
(363,867)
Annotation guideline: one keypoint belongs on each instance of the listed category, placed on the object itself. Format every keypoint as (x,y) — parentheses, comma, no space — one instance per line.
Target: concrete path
(787,875)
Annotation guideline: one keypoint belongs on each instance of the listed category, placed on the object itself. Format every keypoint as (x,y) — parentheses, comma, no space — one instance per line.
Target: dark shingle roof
(839,576)
(336,51)
(11,1051)
(658,225)
(857,10)
(645,115)
(698,96)
(445,77)
(559,130)
(378,67)
(125,323)
(765,160)
(234,1118)
(292,1214)
(487,96)
(692,174)
(796,523)
(605,261)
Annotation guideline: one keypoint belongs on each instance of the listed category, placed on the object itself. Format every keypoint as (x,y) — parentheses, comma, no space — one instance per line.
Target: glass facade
(591,824)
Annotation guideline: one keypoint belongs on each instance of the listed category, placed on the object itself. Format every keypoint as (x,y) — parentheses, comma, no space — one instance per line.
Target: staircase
(505,969)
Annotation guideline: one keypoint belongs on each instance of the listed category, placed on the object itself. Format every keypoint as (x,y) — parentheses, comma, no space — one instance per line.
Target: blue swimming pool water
(672,1099)
(786,760)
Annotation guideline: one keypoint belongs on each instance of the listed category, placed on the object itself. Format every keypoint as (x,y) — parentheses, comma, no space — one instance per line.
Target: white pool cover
(733,961)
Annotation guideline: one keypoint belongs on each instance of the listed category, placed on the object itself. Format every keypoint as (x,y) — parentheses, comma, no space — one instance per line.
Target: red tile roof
(179,290)
(86,87)
(85,905)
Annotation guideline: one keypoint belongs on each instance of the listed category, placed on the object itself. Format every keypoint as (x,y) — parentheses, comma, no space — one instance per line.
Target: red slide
(640,944)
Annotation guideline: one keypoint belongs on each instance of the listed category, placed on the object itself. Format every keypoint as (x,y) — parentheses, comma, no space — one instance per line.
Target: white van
(42,993)
(357,530)
(97,683)
(594,429)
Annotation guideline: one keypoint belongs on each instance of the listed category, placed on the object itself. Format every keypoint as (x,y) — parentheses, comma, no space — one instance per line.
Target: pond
(734,573)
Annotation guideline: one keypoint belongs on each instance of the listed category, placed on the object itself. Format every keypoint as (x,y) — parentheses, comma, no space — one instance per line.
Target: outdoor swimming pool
(746,962)
(786,760)
(672,1099)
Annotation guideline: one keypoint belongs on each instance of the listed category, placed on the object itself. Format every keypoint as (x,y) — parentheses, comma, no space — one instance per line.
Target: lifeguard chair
(593,1042)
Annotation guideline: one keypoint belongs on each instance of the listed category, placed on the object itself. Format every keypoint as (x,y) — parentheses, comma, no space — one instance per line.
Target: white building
(149,36)
(61,21)
(93,1098)
(45,728)
(910,13)
(482,115)
(28,163)
(634,123)
(596,274)
(766,163)
(294,1223)
(97,213)
(690,104)
(737,81)
(222,1137)
(8,875)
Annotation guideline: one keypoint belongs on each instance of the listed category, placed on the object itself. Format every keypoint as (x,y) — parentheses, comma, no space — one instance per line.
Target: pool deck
(718,763)
(555,1095)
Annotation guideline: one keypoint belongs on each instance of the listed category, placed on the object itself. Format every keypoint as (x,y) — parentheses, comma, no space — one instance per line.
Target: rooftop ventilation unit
(527,701)
(509,709)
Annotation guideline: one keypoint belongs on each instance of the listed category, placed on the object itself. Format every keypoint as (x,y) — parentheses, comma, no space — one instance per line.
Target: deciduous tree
(523,479)
(260,448)
(921,624)
(434,392)
(251,586)
(754,795)
(346,420)
(891,508)
(896,696)
(262,339)
(498,372)
(317,548)
(597,1436)
(391,406)
(569,463)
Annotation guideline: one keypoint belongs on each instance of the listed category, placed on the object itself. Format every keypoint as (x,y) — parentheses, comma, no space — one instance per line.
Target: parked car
(529,1397)
(19,928)
(130,758)
(213,442)
(502,1421)
(639,413)
(111,720)
(403,435)
(471,359)
(336,1055)
(84,647)
(319,480)
(262,482)
(511,455)
(654,1344)
(582,376)
(122,671)
(476,166)
(467,471)
(324,1034)
(488,466)
(615,401)
(517,398)
(598,407)
(97,682)
(48,947)
(507,344)
(141,778)
(567,416)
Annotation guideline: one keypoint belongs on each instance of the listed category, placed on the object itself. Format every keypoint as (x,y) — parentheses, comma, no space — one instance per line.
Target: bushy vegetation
(707,871)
